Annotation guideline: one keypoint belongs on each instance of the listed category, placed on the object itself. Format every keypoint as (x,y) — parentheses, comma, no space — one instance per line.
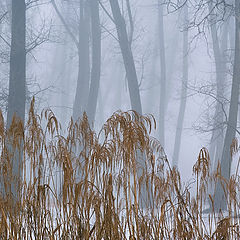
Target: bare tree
(163,73)
(82,91)
(219,49)
(96,60)
(82,45)
(145,199)
(220,200)
(19,46)
(17,82)
(127,56)
(88,80)
(183,102)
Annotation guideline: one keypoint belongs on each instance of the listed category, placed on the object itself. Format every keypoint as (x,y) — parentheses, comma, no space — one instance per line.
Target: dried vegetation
(115,184)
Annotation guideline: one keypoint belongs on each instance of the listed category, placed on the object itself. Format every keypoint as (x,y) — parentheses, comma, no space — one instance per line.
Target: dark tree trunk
(96,60)
(145,197)
(17,82)
(219,49)
(163,74)
(127,57)
(220,200)
(82,45)
(82,91)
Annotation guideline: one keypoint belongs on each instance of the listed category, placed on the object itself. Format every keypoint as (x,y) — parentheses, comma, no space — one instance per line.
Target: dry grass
(87,185)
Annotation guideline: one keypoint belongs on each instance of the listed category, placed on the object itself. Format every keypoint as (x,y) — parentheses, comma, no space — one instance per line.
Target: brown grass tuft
(88,185)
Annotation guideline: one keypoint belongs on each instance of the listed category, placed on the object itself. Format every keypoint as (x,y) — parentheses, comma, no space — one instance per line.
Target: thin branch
(3,16)
(131,22)
(65,24)
(40,38)
(109,32)
(105,10)
(36,3)
(5,40)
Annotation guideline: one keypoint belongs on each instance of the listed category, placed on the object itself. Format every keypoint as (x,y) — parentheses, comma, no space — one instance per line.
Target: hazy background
(52,69)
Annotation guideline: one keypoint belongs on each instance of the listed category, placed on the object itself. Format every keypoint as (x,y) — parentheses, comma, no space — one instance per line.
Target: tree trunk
(17,79)
(127,57)
(163,74)
(17,83)
(219,49)
(96,60)
(145,197)
(130,17)
(181,113)
(82,91)
(82,45)
(226,159)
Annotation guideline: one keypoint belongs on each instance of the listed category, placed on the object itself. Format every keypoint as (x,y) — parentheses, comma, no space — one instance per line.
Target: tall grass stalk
(100,191)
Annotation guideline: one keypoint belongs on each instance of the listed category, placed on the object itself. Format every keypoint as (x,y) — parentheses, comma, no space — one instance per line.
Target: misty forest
(119,119)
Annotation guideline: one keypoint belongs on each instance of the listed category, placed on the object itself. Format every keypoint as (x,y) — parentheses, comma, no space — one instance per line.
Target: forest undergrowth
(114,184)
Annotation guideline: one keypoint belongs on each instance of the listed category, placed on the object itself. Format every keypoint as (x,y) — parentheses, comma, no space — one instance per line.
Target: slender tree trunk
(96,60)
(130,17)
(65,81)
(183,102)
(163,74)
(231,33)
(145,197)
(82,45)
(17,80)
(221,79)
(219,49)
(127,57)
(17,83)
(66,66)
(220,197)
(82,91)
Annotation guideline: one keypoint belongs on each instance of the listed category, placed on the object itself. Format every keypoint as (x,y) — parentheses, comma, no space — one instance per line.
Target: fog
(53,66)
(172,59)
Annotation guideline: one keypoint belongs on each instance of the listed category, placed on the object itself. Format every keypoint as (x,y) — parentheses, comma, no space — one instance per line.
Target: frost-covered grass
(115,184)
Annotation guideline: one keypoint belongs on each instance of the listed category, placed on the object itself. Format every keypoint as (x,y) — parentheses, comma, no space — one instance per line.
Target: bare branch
(3,16)
(105,10)
(65,24)
(40,38)
(5,40)
(109,32)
